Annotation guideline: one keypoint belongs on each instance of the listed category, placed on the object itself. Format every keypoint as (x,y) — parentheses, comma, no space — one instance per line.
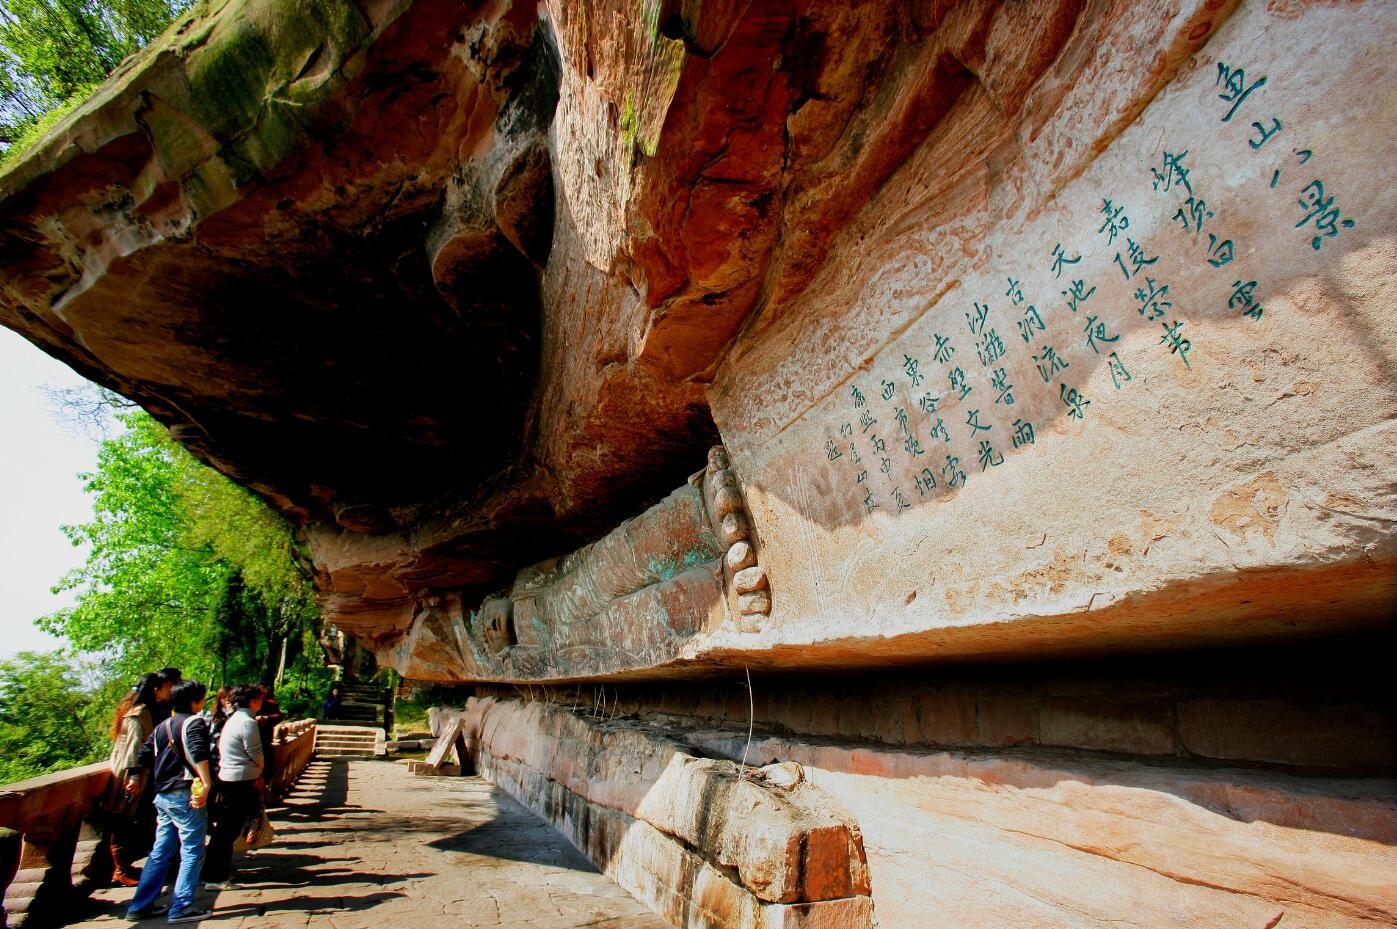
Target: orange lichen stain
(959,600)
(1293,9)
(1054,576)
(1345,504)
(1153,528)
(1117,548)
(862,761)
(1253,507)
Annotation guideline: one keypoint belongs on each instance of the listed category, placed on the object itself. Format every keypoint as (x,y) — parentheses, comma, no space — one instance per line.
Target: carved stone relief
(630,600)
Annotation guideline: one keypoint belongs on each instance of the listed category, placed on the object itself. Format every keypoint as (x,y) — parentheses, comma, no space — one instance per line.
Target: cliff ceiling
(424,275)
(460,286)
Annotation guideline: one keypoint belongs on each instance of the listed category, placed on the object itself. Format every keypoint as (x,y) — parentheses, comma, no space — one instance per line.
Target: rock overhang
(459,306)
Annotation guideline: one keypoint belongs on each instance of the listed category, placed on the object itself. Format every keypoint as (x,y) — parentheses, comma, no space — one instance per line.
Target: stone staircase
(363,705)
(332,741)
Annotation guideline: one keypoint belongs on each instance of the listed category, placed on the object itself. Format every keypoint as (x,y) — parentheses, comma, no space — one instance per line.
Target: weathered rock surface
(975,430)
(692,837)
(964,818)
(1027,329)
(1003,840)
(1030,329)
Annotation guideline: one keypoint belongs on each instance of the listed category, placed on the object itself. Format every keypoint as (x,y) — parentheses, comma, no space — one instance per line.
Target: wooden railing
(56,849)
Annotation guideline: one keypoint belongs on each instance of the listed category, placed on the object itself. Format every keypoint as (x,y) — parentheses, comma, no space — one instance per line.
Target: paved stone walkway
(365,845)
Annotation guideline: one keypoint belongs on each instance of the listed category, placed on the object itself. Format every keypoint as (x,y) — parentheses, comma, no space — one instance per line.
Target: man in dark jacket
(178,751)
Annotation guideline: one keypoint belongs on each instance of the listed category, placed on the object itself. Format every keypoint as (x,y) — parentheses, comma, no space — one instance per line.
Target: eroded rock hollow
(595,346)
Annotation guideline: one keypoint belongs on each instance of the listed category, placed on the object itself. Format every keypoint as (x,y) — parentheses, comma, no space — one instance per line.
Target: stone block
(1102,724)
(1324,736)
(783,846)
(849,913)
(787,844)
(1006,718)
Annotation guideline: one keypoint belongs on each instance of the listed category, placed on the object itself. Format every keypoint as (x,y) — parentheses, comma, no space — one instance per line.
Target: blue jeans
(176,822)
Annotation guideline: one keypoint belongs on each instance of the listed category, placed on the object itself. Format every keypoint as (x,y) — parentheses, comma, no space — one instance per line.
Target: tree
(184,567)
(46,718)
(54,52)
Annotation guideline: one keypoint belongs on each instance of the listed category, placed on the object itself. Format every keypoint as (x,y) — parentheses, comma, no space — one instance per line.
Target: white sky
(39,491)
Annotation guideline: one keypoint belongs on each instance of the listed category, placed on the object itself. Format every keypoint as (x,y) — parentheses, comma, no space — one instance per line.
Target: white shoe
(222,885)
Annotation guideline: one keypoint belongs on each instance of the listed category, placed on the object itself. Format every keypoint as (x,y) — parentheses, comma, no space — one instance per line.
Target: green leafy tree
(47,719)
(54,52)
(184,567)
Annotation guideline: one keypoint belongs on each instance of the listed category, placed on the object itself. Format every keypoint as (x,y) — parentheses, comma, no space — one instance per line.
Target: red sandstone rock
(687,835)
(462,288)
(595,226)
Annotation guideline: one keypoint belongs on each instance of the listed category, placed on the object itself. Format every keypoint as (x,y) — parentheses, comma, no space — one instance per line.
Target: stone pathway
(364,845)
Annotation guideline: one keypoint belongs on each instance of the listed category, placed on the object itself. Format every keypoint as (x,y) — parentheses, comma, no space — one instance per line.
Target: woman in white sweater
(240,764)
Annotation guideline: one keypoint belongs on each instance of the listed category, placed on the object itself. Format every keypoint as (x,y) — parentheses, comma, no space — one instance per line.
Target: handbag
(259,834)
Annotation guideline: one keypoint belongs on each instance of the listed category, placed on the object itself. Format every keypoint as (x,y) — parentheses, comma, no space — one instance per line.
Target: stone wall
(707,843)
(986,427)
(1227,788)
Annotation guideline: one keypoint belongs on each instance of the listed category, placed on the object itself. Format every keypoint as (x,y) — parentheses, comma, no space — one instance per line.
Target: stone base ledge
(700,841)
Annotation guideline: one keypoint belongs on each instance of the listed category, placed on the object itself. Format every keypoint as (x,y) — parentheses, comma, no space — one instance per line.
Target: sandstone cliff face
(592,342)
(1119,376)
(1028,327)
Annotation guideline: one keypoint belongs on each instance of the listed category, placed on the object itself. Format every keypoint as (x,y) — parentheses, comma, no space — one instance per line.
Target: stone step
(350,741)
(335,743)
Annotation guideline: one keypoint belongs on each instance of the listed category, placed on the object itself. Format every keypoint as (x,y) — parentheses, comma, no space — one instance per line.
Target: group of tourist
(178,765)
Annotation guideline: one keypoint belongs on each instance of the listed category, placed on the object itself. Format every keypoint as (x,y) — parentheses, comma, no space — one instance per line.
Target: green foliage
(304,687)
(410,715)
(184,567)
(53,52)
(47,721)
(19,137)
